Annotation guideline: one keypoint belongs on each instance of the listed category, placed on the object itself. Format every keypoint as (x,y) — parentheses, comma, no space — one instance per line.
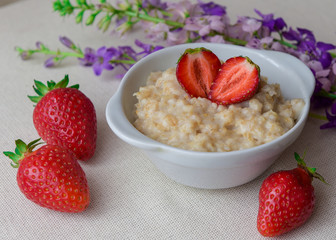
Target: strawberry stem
(21,150)
(311,171)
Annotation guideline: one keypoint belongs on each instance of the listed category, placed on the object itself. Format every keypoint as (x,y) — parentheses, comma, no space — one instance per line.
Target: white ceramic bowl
(211,170)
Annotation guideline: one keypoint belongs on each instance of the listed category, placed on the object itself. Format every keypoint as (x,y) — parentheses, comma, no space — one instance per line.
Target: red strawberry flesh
(196,70)
(237,81)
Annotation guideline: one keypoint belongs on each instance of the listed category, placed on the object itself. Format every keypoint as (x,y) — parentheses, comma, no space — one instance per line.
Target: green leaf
(15,165)
(57,5)
(17,151)
(35,99)
(63,83)
(299,160)
(76,86)
(79,17)
(51,84)
(38,92)
(41,87)
(11,155)
(32,143)
(90,19)
(21,146)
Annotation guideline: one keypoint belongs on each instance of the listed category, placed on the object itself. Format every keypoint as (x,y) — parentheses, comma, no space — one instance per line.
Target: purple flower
(67,42)
(155,32)
(331,118)
(182,10)
(50,62)
(249,25)
(269,21)
(89,57)
(39,45)
(212,8)
(154,3)
(177,36)
(305,39)
(197,24)
(216,39)
(147,48)
(217,23)
(102,60)
(322,53)
(25,55)
(127,51)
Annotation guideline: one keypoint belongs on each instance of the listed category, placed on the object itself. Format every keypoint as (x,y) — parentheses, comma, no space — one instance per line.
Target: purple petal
(291,35)
(50,62)
(101,51)
(212,8)
(39,45)
(66,42)
(325,59)
(280,24)
(325,46)
(333,108)
(97,68)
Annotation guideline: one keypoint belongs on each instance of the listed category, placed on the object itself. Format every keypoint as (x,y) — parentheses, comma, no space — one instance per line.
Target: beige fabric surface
(131,199)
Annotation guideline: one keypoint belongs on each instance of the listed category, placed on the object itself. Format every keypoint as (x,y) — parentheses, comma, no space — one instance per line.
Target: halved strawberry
(237,81)
(196,70)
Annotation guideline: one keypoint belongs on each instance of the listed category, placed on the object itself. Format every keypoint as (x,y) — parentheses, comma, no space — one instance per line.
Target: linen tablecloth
(131,199)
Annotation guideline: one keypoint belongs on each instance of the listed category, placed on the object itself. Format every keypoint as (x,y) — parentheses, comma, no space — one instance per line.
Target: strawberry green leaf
(76,86)
(17,151)
(51,84)
(20,151)
(63,83)
(41,89)
(35,99)
(38,91)
(32,143)
(12,156)
(15,165)
(21,146)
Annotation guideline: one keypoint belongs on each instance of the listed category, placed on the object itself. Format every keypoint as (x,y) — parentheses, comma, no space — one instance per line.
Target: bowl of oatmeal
(198,143)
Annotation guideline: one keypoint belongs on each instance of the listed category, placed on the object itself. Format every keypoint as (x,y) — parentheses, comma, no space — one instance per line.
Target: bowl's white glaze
(216,169)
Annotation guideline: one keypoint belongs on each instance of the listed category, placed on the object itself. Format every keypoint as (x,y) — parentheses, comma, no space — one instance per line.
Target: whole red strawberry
(50,176)
(286,199)
(64,116)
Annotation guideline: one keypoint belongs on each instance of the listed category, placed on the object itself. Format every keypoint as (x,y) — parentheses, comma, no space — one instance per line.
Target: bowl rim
(155,145)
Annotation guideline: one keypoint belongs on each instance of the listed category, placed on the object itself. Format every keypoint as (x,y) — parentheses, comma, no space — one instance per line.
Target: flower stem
(235,40)
(318,116)
(324,93)
(287,44)
(123,61)
(153,19)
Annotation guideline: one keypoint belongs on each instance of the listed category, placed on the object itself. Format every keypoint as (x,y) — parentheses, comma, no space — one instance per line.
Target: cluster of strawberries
(66,121)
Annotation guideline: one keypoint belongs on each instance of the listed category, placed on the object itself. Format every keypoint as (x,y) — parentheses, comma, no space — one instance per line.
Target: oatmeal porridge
(166,113)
